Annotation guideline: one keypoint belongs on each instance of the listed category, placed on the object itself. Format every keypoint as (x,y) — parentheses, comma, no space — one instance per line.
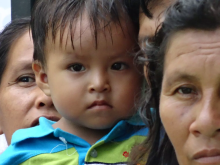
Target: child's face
(92,88)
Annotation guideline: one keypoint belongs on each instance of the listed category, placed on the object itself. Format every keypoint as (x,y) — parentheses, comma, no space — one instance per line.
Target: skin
(190,100)
(21,101)
(73,92)
(148,26)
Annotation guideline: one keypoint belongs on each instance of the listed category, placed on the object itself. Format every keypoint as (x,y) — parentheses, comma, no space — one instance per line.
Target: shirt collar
(45,128)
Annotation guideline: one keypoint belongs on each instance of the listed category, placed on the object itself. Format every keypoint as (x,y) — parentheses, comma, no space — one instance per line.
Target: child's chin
(104,126)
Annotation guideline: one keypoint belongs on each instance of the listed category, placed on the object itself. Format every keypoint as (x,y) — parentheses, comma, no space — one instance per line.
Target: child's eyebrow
(119,54)
(74,55)
(122,55)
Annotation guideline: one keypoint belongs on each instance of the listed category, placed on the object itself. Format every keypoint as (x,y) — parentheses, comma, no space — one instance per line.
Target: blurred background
(5,12)
(12,9)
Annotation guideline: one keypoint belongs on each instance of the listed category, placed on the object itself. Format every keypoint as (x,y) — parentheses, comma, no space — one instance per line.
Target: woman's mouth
(208,156)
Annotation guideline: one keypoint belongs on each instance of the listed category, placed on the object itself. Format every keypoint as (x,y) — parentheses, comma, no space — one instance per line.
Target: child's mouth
(100,104)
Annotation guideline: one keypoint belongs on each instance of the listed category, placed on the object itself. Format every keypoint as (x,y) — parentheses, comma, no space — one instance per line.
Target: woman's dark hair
(144,4)
(52,16)
(184,14)
(8,36)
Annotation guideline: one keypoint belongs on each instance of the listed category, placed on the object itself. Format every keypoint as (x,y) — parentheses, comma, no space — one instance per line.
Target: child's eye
(119,66)
(77,68)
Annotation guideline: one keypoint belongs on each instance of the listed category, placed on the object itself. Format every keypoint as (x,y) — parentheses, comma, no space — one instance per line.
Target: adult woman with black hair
(21,101)
(182,62)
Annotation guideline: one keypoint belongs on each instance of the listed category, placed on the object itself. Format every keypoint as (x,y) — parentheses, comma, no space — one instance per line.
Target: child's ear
(41,77)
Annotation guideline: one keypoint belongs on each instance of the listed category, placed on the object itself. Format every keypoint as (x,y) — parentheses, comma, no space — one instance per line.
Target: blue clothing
(45,145)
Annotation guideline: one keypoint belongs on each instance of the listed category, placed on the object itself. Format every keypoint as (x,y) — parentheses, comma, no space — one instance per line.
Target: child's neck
(89,135)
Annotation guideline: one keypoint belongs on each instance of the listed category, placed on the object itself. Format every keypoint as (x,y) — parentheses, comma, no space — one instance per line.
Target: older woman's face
(190,96)
(21,101)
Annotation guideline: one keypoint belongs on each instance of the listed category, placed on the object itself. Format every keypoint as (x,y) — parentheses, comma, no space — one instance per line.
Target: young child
(83,60)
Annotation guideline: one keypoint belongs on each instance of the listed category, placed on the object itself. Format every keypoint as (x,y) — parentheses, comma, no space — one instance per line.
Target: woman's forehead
(22,48)
(20,55)
(191,54)
(190,41)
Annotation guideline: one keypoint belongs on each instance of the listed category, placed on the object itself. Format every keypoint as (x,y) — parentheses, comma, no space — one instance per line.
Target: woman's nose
(99,83)
(43,101)
(207,117)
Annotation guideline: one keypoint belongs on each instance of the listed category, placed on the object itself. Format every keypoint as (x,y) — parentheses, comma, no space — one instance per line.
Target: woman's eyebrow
(180,76)
(22,65)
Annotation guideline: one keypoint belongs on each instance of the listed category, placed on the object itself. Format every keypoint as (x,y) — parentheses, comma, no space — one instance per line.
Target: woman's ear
(41,77)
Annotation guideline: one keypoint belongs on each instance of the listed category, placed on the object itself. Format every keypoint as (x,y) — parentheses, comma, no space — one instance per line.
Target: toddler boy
(84,62)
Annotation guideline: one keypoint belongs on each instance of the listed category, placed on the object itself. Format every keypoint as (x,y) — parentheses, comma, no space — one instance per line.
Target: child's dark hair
(12,32)
(52,16)
(184,14)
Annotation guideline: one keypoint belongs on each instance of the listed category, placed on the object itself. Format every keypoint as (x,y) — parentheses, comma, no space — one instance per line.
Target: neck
(89,135)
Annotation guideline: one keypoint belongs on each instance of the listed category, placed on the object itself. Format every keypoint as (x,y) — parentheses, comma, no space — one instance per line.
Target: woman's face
(190,96)
(21,101)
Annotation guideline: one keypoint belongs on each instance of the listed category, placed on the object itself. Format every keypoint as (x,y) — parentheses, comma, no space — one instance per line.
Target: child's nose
(99,83)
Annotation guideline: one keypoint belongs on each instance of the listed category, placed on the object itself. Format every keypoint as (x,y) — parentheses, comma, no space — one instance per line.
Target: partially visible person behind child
(83,52)
(22,102)
(151,16)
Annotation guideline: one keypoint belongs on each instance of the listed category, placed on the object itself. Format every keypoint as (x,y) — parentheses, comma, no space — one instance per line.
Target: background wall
(5,13)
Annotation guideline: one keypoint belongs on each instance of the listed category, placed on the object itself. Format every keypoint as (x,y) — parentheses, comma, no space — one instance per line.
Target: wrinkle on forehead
(193,42)
(195,53)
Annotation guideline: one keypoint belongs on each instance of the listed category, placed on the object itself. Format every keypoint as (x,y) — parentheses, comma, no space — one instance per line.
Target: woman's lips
(209,160)
(211,156)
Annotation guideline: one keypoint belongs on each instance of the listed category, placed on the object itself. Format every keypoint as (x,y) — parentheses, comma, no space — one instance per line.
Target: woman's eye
(77,68)
(26,79)
(185,90)
(118,66)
